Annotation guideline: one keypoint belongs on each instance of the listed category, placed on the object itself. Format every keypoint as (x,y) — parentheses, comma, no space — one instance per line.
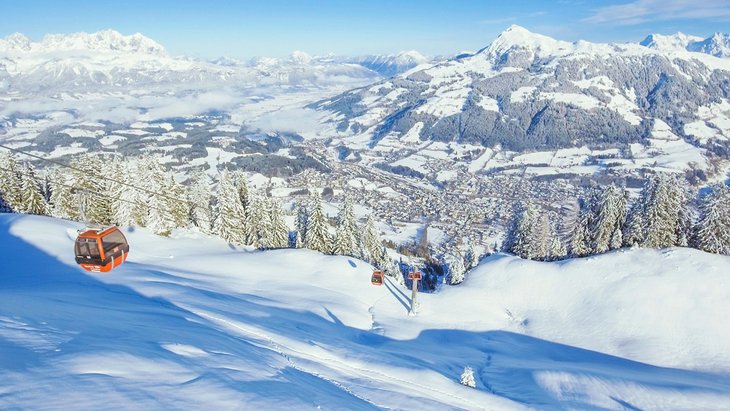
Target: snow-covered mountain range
(717,45)
(528,92)
(108,58)
(525,101)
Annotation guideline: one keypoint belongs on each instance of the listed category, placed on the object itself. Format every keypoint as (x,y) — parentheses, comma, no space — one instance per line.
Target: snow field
(192,322)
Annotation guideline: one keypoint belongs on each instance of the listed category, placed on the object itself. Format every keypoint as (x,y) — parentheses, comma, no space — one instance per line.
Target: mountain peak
(16,42)
(300,57)
(106,40)
(670,42)
(519,37)
(717,45)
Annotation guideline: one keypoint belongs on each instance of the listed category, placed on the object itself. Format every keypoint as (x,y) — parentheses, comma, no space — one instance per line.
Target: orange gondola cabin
(377,278)
(101,250)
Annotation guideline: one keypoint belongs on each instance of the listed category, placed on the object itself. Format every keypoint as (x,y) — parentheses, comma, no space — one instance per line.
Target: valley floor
(191,322)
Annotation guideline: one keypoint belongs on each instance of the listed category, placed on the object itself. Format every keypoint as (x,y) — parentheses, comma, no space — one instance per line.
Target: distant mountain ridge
(107,40)
(717,45)
(83,62)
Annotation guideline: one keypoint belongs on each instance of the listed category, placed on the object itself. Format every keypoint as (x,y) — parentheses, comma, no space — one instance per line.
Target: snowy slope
(191,323)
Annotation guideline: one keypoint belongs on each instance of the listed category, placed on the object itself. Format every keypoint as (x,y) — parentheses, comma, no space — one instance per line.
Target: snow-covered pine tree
(229,214)
(541,238)
(391,268)
(467,378)
(279,232)
(90,189)
(136,174)
(580,240)
(558,250)
(712,231)
(63,203)
(115,169)
(519,240)
(634,231)
(176,202)
(371,241)
(160,219)
(662,211)
(318,237)
(471,257)
(199,196)
(456,268)
(301,224)
(684,218)
(347,241)
(10,193)
(610,218)
(33,201)
(251,230)
(256,223)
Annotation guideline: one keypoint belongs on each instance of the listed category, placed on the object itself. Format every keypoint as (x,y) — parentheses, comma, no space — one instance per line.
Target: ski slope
(191,322)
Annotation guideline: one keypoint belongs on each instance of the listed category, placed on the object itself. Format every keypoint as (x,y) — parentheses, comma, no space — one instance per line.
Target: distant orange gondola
(101,250)
(377,278)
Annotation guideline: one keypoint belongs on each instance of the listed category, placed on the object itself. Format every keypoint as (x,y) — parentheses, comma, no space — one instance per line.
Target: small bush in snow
(467,378)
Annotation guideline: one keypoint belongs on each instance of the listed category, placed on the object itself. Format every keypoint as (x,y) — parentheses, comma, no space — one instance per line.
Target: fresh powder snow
(192,322)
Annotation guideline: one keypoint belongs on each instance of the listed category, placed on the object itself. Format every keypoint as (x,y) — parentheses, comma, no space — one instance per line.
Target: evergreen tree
(662,212)
(391,268)
(712,231)
(634,231)
(63,203)
(580,240)
(456,269)
(279,234)
(176,202)
(199,197)
(10,193)
(256,225)
(346,238)
(519,239)
(137,174)
(131,208)
(541,238)
(372,245)
(467,378)
(471,258)
(242,188)
(533,238)
(33,201)
(229,217)
(301,225)
(160,219)
(90,189)
(115,168)
(252,232)
(318,238)
(610,218)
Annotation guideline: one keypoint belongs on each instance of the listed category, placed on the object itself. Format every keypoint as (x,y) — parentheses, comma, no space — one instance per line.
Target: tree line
(663,215)
(140,192)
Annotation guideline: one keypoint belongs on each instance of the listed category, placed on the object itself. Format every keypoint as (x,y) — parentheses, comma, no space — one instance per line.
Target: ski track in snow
(280,348)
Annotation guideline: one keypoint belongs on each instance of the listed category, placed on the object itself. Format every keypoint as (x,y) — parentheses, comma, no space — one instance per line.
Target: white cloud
(641,11)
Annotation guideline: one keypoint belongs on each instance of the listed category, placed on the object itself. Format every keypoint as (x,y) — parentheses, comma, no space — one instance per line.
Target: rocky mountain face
(527,92)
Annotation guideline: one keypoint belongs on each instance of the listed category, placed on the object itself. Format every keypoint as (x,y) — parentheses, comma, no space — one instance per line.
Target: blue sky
(275,27)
